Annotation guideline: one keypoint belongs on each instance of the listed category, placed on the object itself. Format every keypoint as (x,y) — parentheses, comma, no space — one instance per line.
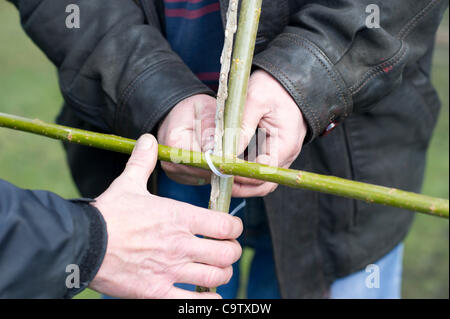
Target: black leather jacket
(118,74)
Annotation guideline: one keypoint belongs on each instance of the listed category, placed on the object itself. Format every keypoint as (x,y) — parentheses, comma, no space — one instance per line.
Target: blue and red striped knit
(194,30)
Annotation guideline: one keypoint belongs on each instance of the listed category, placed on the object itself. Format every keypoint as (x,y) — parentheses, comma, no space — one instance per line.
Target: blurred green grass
(28,87)
(426,265)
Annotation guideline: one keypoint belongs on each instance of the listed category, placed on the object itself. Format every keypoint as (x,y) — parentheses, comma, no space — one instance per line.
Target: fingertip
(142,160)
(245,191)
(213,295)
(274,187)
(145,143)
(246,180)
(232,227)
(239,225)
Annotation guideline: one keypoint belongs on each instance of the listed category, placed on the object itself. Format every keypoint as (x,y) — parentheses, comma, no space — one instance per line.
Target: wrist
(95,250)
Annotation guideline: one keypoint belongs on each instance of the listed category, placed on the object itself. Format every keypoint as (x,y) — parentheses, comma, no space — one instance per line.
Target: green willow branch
(234,92)
(250,11)
(288,177)
(222,95)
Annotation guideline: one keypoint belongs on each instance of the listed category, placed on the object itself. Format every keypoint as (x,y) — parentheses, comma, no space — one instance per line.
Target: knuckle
(136,161)
(212,278)
(175,272)
(172,140)
(190,220)
(237,251)
(269,188)
(240,227)
(225,228)
(228,255)
(178,248)
(293,155)
(176,137)
(228,273)
(183,218)
(254,96)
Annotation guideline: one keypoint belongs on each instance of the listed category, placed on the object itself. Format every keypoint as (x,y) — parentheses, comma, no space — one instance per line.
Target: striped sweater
(194,30)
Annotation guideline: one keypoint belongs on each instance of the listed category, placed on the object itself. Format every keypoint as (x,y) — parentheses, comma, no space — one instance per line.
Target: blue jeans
(360,286)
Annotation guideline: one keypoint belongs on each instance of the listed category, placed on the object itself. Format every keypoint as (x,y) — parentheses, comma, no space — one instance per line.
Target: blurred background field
(28,87)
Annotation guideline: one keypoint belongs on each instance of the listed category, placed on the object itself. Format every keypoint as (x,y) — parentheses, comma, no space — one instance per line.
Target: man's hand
(189,125)
(152,242)
(269,107)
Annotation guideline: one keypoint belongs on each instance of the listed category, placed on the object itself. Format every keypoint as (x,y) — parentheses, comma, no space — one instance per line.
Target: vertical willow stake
(222,94)
(227,130)
(237,91)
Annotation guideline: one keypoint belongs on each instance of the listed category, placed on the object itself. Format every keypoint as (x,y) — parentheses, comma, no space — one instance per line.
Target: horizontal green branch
(288,177)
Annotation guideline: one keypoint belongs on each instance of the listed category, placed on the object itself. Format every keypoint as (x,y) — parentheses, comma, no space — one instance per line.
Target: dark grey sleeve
(40,235)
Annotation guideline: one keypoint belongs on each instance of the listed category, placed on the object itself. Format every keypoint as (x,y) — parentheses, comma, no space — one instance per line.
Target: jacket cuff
(310,78)
(153,94)
(98,240)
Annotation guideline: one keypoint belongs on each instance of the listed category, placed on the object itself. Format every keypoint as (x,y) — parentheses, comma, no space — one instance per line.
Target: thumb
(143,160)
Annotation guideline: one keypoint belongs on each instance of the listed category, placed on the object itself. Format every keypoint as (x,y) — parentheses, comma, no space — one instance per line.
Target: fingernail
(144,143)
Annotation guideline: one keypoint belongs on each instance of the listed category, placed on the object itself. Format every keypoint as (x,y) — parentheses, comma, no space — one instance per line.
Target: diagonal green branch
(288,177)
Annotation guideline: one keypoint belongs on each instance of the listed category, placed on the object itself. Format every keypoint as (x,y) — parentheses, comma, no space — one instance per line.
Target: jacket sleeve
(40,235)
(332,64)
(116,70)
